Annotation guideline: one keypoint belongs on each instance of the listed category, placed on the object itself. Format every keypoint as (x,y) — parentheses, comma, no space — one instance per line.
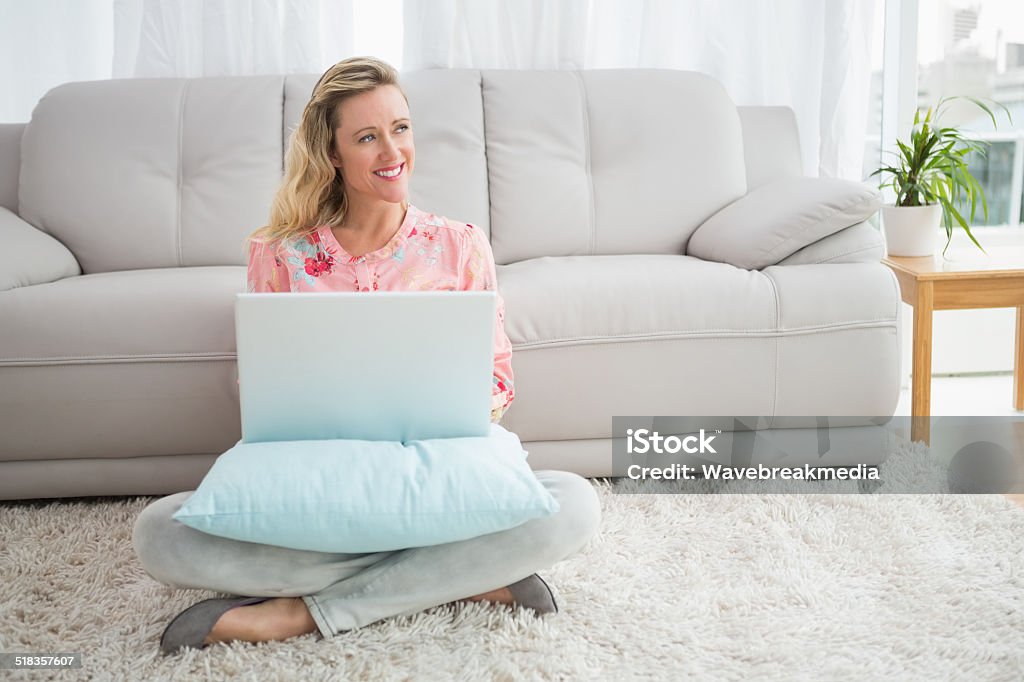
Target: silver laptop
(396,366)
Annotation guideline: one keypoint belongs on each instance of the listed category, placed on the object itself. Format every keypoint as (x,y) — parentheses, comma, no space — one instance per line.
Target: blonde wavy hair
(312,192)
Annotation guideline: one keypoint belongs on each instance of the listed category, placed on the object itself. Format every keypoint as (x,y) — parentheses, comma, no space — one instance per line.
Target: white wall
(964,341)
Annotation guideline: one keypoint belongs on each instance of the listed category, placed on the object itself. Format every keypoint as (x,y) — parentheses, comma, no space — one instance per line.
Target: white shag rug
(735,587)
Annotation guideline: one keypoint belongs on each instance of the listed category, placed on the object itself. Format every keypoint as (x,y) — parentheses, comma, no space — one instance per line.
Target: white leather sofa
(657,251)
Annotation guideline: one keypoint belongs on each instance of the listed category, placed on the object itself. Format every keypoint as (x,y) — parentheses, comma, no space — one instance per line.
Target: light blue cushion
(355,496)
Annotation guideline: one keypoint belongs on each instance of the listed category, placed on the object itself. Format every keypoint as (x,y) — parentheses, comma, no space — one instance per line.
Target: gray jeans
(347,591)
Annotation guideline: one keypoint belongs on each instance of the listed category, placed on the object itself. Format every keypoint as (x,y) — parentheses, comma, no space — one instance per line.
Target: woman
(341,222)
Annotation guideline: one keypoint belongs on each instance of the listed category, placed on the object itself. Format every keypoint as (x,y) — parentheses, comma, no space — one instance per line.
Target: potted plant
(930,178)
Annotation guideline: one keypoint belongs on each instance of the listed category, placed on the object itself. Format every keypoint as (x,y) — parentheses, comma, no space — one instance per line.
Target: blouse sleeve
(479,274)
(267,272)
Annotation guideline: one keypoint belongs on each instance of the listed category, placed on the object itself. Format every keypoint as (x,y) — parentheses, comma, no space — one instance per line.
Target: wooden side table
(929,283)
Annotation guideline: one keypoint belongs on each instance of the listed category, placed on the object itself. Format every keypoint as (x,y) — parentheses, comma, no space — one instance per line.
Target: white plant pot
(911,230)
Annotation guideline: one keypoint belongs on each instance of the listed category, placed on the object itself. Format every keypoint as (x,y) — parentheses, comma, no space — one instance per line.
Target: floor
(989,395)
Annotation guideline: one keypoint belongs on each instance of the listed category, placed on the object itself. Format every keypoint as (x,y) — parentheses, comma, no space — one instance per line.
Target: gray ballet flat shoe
(190,627)
(533,593)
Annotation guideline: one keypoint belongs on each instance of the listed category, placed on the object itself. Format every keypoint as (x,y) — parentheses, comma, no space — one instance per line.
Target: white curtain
(47,42)
(44,43)
(189,38)
(810,55)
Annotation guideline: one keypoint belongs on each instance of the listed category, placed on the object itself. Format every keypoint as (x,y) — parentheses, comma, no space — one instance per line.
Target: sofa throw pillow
(356,496)
(778,219)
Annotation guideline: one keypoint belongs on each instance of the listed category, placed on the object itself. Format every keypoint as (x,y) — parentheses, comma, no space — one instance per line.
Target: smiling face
(373,146)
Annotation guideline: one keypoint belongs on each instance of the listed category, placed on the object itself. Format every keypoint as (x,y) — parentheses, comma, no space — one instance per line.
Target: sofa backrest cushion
(148,173)
(606,161)
(151,173)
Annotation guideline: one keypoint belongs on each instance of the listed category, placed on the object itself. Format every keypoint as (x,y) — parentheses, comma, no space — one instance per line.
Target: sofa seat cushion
(120,364)
(128,316)
(599,336)
(579,299)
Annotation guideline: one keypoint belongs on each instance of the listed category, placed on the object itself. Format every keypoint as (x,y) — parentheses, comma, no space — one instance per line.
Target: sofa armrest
(776,220)
(29,256)
(860,243)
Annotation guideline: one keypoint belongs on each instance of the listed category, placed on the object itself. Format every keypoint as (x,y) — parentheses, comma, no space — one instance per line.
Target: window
(976,48)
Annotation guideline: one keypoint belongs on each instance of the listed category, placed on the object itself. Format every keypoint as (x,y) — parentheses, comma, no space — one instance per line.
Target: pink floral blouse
(428,253)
